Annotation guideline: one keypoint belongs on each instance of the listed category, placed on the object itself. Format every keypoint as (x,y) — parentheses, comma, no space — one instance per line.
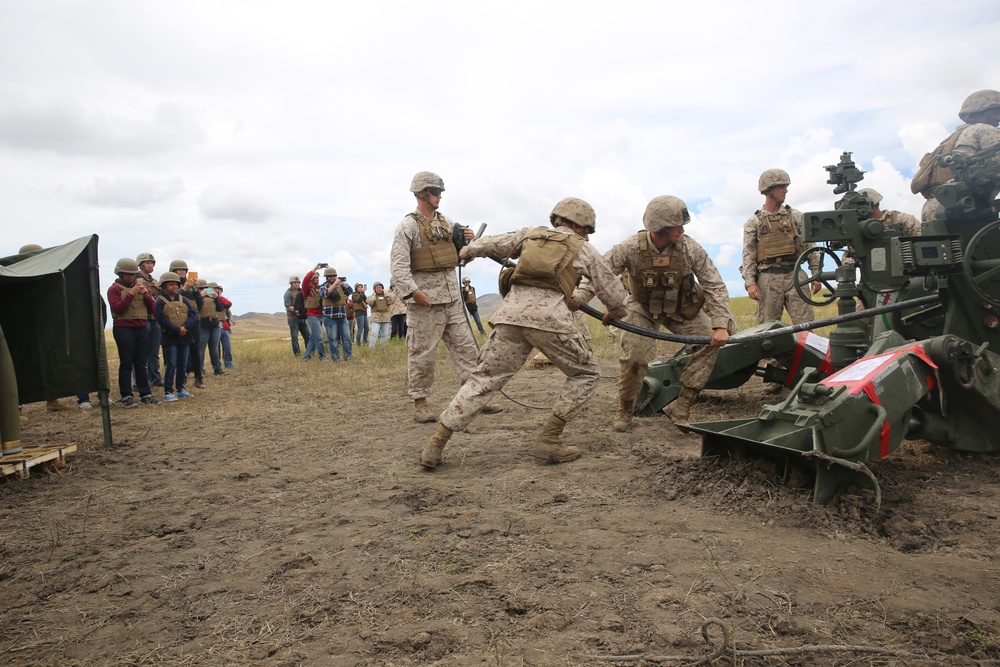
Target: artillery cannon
(912,367)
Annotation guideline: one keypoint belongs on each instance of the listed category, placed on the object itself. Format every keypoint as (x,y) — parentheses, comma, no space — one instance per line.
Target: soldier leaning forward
(674,284)
(536,313)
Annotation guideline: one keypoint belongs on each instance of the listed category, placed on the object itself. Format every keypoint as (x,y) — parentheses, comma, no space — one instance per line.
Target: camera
(323,265)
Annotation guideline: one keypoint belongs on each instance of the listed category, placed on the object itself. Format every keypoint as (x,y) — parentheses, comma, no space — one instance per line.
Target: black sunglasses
(434,191)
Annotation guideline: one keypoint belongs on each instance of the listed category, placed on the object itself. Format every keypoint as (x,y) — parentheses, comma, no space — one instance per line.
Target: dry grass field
(279,517)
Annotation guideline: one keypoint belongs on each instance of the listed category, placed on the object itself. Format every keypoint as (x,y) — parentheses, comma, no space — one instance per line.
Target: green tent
(51,315)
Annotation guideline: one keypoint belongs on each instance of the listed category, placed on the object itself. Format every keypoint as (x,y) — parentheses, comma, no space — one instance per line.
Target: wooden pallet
(20,464)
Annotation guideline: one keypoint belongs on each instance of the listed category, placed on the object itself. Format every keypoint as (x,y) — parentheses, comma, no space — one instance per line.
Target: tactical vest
(777,236)
(312,301)
(380,304)
(437,251)
(327,301)
(656,280)
(176,311)
(930,174)
(360,307)
(546,261)
(208,311)
(136,309)
(470,295)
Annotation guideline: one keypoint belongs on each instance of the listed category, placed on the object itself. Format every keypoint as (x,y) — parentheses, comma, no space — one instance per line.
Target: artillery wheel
(803,286)
(975,280)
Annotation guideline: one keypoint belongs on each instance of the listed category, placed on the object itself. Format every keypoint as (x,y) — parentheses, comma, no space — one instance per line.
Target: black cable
(761,335)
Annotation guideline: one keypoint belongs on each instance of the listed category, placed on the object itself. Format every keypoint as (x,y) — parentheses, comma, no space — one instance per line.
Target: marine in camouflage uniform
(536,313)
(660,265)
(423,261)
(772,241)
(907,224)
(980,114)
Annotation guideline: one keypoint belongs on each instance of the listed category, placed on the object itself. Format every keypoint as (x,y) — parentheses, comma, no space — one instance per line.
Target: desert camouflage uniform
(534,317)
(971,139)
(775,278)
(443,320)
(637,351)
(907,224)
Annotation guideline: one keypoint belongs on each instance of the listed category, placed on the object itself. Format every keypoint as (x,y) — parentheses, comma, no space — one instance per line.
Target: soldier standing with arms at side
(661,265)
(537,313)
(423,262)
(772,241)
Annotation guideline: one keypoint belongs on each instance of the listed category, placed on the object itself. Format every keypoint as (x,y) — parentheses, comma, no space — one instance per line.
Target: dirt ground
(279,518)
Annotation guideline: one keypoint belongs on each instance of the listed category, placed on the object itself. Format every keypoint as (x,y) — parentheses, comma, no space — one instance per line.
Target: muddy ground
(280,518)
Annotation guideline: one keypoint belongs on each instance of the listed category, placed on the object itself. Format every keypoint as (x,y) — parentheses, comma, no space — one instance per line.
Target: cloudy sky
(254,139)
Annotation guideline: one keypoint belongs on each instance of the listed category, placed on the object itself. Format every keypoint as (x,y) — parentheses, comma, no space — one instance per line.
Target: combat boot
(549,448)
(430,458)
(421,413)
(680,410)
(623,418)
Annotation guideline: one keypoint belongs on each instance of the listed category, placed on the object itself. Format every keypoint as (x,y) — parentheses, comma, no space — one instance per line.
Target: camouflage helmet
(330,272)
(178,264)
(575,210)
(426,179)
(378,284)
(145,257)
(978,102)
(293,279)
(663,212)
(202,283)
(170,277)
(31,247)
(772,177)
(871,194)
(126,265)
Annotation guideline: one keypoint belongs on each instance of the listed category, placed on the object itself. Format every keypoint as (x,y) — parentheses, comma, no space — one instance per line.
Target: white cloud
(129,191)
(235,203)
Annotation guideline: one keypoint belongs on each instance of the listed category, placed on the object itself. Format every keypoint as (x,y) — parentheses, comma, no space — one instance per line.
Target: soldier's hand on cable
(719,337)
(464,253)
(816,286)
(607,318)
(573,304)
(753,292)
(420,298)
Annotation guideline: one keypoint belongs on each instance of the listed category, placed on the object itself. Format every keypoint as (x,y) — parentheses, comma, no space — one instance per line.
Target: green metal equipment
(915,366)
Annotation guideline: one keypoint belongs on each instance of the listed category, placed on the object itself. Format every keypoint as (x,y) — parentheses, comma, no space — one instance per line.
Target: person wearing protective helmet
(212,313)
(312,302)
(190,291)
(469,298)
(296,316)
(334,297)
(147,263)
(673,284)
(980,115)
(906,224)
(423,261)
(359,300)
(131,303)
(772,242)
(226,322)
(540,295)
(381,317)
(177,317)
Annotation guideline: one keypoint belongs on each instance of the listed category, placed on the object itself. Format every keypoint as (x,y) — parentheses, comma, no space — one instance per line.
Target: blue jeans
(210,335)
(315,342)
(338,330)
(195,363)
(380,330)
(479,323)
(175,358)
(153,360)
(132,345)
(227,349)
(296,327)
(361,324)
